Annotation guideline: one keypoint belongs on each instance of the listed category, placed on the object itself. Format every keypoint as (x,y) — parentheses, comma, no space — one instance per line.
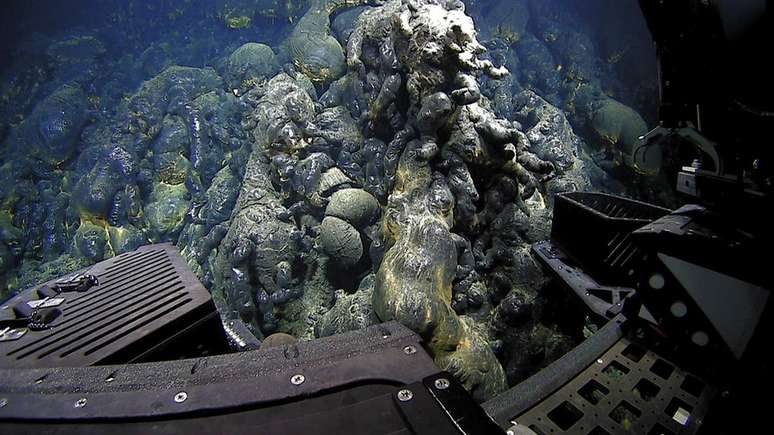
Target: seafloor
(325,165)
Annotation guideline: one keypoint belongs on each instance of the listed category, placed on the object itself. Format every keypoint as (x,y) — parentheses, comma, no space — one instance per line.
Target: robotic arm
(714,111)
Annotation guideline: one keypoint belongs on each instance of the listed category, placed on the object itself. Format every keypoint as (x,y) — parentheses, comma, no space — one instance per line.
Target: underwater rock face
(616,122)
(256,242)
(344,23)
(355,206)
(466,191)
(249,268)
(250,62)
(505,19)
(430,48)
(49,134)
(411,188)
(312,48)
(350,312)
(75,57)
(141,181)
(137,176)
(341,241)
(620,127)
(549,132)
(166,210)
(90,241)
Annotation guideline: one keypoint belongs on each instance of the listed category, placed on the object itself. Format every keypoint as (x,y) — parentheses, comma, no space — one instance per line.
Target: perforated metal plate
(627,390)
(143,298)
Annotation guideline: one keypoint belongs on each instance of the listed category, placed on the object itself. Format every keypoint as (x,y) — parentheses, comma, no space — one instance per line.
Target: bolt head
(442,383)
(80,403)
(409,350)
(600,361)
(297,379)
(181,397)
(3,402)
(405,395)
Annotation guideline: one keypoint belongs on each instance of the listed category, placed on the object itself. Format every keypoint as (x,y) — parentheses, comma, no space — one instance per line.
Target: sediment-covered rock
(429,52)
(255,243)
(350,312)
(341,241)
(314,51)
(355,206)
(249,63)
(49,135)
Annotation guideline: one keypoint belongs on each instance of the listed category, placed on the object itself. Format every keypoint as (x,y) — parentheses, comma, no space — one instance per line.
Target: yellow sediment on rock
(240,22)
(507,34)
(414,281)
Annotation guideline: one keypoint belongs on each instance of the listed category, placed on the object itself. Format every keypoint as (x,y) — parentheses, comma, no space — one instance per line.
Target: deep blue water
(198,37)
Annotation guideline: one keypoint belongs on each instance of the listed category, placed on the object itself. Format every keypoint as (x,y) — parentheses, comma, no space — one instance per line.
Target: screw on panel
(514,429)
(600,361)
(442,383)
(3,402)
(405,395)
(297,379)
(181,397)
(409,350)
(80,403)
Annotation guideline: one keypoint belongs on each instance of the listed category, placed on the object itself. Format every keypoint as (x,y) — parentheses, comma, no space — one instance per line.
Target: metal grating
(142,298)
(627,390)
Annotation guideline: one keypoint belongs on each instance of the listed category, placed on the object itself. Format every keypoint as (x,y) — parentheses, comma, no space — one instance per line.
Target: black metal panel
(419,408)
(467,416)
(373,408)
(367,409)
(215,384)
(239,421)
(354,383)
(143,300)
(351,383)
(707,283)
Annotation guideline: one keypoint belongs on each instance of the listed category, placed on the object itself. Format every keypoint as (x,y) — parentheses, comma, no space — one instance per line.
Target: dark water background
(200,39)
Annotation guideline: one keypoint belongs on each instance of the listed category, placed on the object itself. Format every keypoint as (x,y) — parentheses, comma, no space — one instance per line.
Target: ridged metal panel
(139,293)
